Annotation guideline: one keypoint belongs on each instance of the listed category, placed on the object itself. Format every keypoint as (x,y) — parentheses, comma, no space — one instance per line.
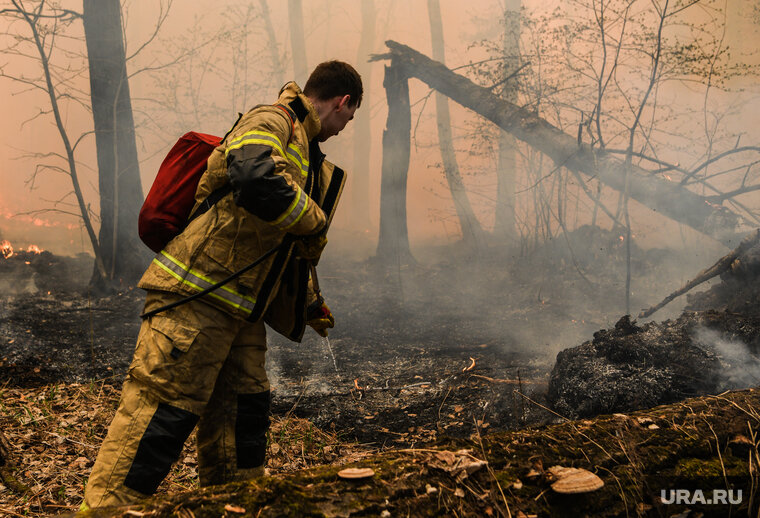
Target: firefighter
(202,363)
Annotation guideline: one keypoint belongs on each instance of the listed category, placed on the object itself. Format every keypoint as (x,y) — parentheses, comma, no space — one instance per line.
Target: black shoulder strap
(291,118)
(240,116)
(210,201)
(300,110)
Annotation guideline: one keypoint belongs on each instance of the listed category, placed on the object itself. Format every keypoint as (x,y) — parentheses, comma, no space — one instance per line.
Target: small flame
(621,238)
(6,249)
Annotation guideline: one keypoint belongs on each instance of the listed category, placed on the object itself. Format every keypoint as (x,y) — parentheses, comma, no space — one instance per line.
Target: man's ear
(343,102)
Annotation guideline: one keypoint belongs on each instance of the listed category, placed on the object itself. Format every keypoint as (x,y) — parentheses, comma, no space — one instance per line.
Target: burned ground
(454,346)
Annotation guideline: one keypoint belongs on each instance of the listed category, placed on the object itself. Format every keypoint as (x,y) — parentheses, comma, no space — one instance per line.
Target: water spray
(325,339)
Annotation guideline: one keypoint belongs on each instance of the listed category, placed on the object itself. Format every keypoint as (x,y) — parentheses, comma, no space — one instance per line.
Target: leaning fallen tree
(707,444)
(661,195)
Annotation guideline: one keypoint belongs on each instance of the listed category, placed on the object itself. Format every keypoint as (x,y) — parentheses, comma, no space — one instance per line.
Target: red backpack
(166,210)
(167,207)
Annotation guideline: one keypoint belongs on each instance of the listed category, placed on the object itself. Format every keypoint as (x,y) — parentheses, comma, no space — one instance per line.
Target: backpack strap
(225,189)
(210,201)
(298,108)
(240,116)
(291,117)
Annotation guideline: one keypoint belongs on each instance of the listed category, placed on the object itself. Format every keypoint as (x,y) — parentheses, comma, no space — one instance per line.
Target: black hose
(215,286)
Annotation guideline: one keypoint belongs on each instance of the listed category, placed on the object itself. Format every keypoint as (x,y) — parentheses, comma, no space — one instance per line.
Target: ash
(712,347)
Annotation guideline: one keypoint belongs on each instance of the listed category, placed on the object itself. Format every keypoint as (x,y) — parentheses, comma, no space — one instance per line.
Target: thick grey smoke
(742,367)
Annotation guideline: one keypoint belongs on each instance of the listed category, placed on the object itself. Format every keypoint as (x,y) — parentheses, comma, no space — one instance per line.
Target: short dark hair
(335,78)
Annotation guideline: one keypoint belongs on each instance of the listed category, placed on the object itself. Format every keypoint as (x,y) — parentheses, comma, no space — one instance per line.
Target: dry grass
(55,432)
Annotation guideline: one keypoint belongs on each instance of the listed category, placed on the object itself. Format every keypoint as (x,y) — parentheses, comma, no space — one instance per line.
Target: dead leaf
(234,509)
(80,463)
(449,457)
(471,467)
(459,492)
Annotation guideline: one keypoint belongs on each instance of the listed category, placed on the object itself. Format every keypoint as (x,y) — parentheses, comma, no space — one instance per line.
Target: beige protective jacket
(281,189)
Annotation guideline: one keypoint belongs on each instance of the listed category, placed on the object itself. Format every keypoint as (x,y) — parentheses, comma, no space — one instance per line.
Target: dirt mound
(710,348)
(631,367)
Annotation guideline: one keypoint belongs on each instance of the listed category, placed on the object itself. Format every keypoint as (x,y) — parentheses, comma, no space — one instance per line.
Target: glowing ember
(6,249)
(34,249)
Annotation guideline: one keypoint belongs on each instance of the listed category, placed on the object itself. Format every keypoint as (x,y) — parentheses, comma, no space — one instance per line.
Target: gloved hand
(310,247)
(319,317)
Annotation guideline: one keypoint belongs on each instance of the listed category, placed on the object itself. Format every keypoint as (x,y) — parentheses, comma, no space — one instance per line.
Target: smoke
(741,366)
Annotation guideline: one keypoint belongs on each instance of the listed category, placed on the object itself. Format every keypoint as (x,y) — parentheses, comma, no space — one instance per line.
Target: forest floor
(454,346)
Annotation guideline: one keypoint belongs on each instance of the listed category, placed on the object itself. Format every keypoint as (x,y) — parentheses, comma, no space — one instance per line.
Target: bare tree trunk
(362,134)
(273,48)
(297,43)
(505,224)
(393,243)
(32,19)
(472,232)
(121,195)
(661,195)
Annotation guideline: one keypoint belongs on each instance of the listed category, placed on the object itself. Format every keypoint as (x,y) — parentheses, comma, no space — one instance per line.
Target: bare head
(335,90)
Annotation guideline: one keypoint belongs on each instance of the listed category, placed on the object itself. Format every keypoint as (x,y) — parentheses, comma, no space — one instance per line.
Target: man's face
(337,118)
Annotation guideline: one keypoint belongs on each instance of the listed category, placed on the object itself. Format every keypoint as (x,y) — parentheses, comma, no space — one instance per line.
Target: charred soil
(453,348)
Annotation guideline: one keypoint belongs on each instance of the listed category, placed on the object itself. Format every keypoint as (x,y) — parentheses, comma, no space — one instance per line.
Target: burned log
(707,443)
(666,197)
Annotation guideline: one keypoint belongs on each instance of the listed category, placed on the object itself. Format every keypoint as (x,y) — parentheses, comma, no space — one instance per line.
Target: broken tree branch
(723,264)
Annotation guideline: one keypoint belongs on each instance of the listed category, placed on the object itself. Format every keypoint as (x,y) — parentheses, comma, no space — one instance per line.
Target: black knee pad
(251,427)
(159,447)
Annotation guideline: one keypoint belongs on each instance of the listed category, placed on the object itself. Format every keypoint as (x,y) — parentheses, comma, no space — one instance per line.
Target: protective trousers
(193,364)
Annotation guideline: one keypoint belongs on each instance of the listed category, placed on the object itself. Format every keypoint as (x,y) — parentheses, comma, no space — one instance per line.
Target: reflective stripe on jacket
(279,191)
